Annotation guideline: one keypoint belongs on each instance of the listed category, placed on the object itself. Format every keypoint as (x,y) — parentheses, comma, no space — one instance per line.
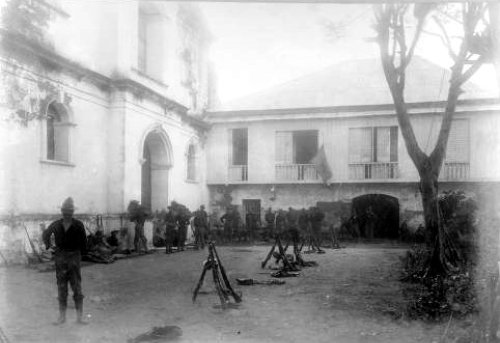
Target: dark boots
(62,313)
(79,311)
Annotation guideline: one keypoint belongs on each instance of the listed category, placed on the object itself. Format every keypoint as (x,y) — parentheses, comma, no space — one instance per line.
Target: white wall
(34,185)
(333,133)
(103,36)
(140,119)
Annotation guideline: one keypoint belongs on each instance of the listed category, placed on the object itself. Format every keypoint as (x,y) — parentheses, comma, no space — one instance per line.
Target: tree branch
(395,76)
(416,36)
(472,13)
(446,40)
(471,70)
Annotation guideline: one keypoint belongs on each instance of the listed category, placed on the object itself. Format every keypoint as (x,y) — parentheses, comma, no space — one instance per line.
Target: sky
(259,45)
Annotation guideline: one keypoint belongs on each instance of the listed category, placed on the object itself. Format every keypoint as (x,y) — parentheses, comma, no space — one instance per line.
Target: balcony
(455,171)
(373,171)
(238,173)
(296,172)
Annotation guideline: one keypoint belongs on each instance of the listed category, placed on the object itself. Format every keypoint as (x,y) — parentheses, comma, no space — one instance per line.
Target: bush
(436,297)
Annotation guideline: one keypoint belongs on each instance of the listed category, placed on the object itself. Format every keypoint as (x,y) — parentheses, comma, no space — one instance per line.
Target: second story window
(151,41)
(238,155)
(58,126)
(295,151)
(373,153)
(456,162)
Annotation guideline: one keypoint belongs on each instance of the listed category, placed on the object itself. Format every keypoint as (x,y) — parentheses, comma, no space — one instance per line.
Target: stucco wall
(109,30)
(31,184)
(334,134)
(142,118)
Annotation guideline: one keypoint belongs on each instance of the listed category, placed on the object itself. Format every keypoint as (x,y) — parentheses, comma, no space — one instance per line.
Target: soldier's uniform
(182,225)
(281,224)
(227,220)
(293,230)
(71,244)
(200,227)
(269,217)
(251,224)
(303,223)
(170,231)
(316,218)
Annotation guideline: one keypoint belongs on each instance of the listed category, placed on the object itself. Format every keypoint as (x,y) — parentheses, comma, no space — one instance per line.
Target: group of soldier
(296,225)
(71,242)
(171,227)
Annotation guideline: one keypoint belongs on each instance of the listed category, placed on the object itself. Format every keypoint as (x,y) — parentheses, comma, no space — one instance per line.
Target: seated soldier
(124,241)
(112,240)
(98,250)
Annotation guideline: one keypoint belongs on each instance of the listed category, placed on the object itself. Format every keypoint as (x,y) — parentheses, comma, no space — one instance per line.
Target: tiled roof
(354,83)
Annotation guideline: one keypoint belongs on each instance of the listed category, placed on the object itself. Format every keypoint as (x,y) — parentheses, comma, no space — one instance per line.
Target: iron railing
(456,171)
(373,170)
(296,172)
(238,173)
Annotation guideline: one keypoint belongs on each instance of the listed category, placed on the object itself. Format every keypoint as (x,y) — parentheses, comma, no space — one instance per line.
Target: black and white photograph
(249,171)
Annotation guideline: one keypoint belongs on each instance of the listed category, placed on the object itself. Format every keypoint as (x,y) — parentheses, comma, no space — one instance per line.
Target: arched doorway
(155,167)
(378,215)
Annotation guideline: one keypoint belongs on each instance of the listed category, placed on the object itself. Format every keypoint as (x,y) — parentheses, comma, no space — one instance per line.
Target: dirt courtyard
(353,295)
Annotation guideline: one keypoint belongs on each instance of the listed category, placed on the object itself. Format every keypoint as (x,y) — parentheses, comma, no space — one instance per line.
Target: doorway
(378,215)
(155,171)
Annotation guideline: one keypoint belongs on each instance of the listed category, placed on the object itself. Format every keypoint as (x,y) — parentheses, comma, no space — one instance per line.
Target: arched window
(191,163)
(57,133)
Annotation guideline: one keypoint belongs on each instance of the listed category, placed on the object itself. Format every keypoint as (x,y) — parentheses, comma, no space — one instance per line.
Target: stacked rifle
(221,281)
(291,265)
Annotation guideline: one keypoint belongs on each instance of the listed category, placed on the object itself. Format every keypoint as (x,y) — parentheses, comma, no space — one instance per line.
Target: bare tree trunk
(429,191)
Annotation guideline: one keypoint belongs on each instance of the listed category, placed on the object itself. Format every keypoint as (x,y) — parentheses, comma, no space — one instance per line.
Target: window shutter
(457,149)
(394,143)
(284,147)
(383,147)
(360,145)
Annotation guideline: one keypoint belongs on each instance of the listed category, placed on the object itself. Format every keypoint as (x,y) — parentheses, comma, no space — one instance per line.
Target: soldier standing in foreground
(71,244)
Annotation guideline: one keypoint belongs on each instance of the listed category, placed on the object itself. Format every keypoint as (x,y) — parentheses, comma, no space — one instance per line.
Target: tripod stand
(221,281)
(281,255)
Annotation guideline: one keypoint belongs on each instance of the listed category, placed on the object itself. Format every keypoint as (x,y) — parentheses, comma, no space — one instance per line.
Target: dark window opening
(53,119)
(305,146)
(240,147)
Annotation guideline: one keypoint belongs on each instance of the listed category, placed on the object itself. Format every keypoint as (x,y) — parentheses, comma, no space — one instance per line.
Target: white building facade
(105,107)
(268,144)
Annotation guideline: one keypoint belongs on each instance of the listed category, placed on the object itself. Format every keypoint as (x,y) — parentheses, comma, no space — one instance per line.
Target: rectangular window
(305,146)
(373,152)
(457,149)
(373,144)
(456,162)
(238,155)
(240,147)
(295,151)
(296,147)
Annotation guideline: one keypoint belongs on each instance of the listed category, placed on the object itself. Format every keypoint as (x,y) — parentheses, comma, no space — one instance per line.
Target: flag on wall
(322,166)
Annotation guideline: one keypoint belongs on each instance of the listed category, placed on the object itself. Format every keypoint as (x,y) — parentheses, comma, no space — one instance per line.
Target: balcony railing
(238,173)
(455,171)
(373,170)
(296,172)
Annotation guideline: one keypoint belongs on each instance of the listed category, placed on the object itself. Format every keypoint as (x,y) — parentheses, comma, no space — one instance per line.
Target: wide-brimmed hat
(68,204)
